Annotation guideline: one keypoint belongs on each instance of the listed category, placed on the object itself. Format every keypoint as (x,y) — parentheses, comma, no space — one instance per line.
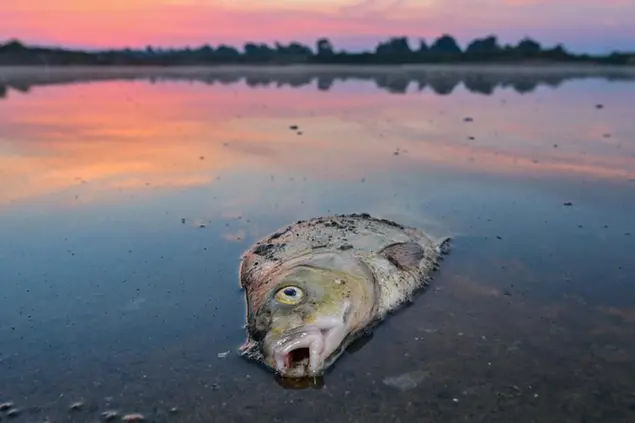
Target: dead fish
(314,287)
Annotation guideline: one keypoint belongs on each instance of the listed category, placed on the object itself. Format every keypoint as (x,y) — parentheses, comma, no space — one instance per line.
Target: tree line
(396,50)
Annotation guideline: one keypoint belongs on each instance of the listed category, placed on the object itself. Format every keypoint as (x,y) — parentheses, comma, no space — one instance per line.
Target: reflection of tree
(395,85)
(524,86)
(325,83)
(392,80)
(444,86)
(257,81)
(479,84)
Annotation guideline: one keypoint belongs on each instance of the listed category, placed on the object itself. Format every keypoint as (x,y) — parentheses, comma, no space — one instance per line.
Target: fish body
(313,287)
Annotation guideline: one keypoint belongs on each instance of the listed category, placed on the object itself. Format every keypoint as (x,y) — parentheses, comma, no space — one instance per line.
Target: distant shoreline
(526,68)
(396,51)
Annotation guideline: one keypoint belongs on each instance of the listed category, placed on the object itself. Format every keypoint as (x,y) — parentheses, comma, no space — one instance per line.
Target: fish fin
(404,255)
(443,245)
(250,349)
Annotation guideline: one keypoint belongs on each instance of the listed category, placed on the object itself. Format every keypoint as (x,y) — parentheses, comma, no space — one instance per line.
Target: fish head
(307,314)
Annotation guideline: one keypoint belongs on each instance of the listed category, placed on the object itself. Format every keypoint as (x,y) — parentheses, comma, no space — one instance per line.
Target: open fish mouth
(302,351)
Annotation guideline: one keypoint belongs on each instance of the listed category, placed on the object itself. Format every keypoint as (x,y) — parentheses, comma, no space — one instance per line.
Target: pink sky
(589,25)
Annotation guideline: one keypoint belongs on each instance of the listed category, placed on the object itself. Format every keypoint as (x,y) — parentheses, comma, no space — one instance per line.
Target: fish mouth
(302,351)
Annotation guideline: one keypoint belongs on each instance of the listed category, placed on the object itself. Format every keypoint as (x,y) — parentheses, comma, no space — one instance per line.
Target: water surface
(128,196)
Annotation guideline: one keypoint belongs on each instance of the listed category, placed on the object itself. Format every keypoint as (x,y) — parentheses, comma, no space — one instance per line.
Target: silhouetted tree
(423,47)
(259,52)
(445,44)
(12,46)
(528,46)
(394,46)
(487,45)
(324,47)
(226,53)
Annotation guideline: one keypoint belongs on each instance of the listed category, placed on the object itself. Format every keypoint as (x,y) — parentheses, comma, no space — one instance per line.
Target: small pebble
(109,415)
(76,406)
(134,417)
(6,406)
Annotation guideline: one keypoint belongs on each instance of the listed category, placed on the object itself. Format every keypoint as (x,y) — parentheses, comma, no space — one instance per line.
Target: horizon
(587,26)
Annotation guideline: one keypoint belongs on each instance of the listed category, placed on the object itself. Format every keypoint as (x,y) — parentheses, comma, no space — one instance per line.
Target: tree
(227,53)
(394,46)
(487,45)
(324,47)
(423,46)
(13,45)
(258,52)
(445,44)
(527,46)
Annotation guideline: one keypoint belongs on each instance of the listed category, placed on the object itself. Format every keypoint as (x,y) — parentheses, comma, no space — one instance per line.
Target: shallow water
(128,196)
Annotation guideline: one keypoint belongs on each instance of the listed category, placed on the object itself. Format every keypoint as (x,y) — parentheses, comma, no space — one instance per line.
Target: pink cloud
(178,22)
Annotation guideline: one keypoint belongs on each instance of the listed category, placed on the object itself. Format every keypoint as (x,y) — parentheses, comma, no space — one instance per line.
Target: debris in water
(599,106)
(568,203)
(223,354)
(468,119)
(110,415)
(134,417)
(14,412)
(406,381)
(76,406)
(293,127)
(6,406)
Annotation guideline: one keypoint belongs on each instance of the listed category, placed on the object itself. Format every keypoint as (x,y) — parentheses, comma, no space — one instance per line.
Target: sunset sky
(582,25)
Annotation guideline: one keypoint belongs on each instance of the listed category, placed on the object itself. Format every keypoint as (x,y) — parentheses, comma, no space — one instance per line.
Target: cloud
(178,22)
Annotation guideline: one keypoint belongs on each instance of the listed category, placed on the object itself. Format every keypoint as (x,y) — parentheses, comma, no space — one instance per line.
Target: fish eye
(289,295)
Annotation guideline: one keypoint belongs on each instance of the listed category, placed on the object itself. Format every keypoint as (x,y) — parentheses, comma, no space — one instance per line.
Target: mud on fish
(314,287)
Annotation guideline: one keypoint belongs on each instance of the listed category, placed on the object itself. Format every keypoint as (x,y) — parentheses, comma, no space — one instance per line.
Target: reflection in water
(125,206)
(439,79)
(123,135)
